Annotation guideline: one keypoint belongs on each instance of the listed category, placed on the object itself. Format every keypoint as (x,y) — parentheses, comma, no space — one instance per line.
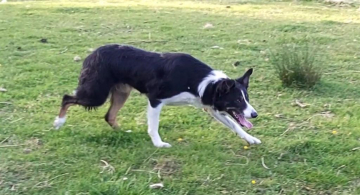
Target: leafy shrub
(296,65)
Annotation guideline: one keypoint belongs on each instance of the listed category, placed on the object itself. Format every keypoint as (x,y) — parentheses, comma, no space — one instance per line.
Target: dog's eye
(240,99)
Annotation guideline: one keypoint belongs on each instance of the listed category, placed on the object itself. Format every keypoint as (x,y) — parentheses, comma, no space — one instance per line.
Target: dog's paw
(252,140)
(59,122)
(162,145)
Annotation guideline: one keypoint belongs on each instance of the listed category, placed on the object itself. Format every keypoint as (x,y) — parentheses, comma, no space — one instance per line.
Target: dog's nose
(254,115)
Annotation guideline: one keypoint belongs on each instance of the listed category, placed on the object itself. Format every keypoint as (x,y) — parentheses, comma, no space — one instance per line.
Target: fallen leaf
(300,104)
(156,185)
(216,47)
(278,115)
(77,58)
(327,105)
(358,148)
(208,25)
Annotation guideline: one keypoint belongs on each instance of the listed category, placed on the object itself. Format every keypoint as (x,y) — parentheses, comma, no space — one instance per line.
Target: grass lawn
(310,150)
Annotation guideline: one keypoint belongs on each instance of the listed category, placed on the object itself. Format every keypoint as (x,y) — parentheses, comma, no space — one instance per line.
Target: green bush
(296,65)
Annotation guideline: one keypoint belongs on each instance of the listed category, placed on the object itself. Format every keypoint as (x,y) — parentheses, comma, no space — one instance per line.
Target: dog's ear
(244,80)
(224,87)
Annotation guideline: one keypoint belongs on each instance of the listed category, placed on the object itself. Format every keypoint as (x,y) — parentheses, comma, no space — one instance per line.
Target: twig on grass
(263,163)
(107,166)
(150,155)
(244,164)
(150,172)
(16,120)
(47,181)
(8,103)
(292,126)
(128,170)
(326,114)
(5,139)
(8,146)
(63,51)
(342,72)
(145,41)
(139,170)
(357,148)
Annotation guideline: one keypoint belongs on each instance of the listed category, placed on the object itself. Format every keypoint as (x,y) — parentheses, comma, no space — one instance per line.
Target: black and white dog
(166,79)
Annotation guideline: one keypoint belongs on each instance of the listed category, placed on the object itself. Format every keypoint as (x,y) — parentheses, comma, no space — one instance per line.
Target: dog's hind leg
(80,98)
(119,95)
(66,103)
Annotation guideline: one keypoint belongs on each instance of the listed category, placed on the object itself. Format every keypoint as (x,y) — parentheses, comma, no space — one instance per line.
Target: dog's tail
(95,81)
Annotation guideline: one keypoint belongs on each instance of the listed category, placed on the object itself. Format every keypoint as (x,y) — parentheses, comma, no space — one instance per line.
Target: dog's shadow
(336,90)
(329,89)
(116,138)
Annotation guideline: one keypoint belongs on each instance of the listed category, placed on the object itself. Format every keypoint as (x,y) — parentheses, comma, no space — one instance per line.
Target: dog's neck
(206,88)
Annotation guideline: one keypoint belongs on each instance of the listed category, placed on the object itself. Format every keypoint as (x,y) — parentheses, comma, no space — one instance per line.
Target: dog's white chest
(183,98)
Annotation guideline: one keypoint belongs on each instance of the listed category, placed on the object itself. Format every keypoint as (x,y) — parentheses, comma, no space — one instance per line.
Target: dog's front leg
(153,115)
(234,127)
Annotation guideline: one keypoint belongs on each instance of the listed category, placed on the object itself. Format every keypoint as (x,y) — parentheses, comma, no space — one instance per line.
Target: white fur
(214,76)
(3,1)
(153,115)
(249,109)
(227,121)
(59,122)
(186,98)
(183,98)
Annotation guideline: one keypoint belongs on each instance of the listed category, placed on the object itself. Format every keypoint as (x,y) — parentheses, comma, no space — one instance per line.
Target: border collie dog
(166,79)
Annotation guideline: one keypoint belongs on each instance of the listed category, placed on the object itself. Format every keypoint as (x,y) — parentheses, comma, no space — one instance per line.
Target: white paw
(162,145)
(59,122)
(251,140)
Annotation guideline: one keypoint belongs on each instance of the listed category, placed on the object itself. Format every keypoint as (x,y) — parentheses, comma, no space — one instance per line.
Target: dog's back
(143,70)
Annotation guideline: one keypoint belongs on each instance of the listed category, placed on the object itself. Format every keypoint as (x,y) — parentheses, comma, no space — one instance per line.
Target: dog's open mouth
(240,118)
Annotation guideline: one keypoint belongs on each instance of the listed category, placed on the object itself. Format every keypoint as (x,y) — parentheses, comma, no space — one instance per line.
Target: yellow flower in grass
(334,132)
(246,147)
(253,181)
(180,139)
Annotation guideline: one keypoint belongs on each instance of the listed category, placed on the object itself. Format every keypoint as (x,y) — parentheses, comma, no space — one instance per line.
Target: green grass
(303,154)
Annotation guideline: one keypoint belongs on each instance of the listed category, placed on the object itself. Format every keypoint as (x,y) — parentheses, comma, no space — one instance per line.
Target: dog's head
(231,98)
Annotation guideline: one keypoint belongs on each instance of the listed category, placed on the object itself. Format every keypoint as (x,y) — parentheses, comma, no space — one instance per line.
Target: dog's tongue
(246,123)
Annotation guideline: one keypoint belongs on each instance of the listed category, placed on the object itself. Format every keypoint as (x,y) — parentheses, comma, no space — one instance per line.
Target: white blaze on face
(249,109)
